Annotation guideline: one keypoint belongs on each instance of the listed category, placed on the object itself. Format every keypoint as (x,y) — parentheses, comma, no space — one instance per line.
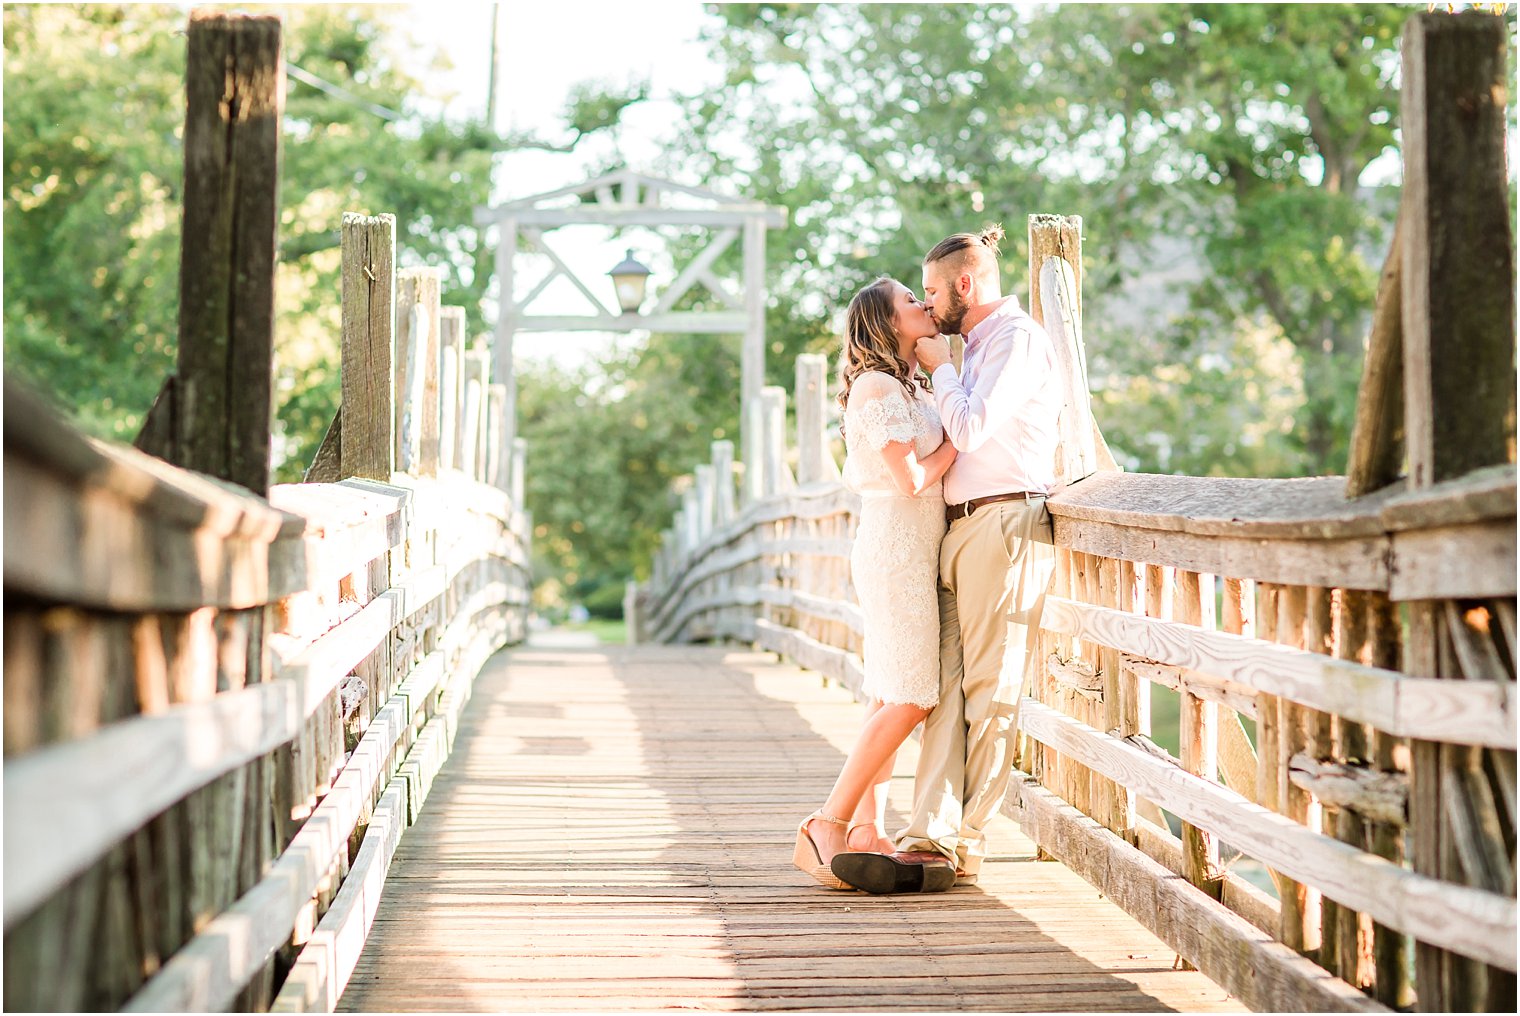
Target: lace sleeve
(881,413)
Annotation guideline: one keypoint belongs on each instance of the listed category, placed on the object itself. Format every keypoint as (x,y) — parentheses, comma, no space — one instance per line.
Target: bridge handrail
(270,682)
(708,594)
(1273,601)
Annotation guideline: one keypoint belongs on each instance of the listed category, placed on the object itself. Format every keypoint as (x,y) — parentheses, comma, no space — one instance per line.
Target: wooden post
(1459,382)
(752,479)
(417,323)
(1055,301)
(1458,258)
(812,395)
(723,480)
(691,516)
(1377,436)
(1121,689)
(496,464)
(477,369)
(752,352)
(1352,961)
(1237,757)
(1314,737)
(1298,904)
(517,485)
(1391,949)
(705,481)
(367,444)
(772,414)
(234,80)
(1058,236)
(503,356)
(451,328)
(1199,737)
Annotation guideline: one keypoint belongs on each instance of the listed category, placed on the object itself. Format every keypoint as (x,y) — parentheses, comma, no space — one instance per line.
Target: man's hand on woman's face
(933,352)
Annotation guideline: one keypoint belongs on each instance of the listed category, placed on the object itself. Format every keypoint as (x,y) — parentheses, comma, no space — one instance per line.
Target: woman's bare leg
(884,732)
(868,829)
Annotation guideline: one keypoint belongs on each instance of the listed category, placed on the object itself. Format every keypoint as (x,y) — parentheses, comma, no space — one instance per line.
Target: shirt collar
(1004,310)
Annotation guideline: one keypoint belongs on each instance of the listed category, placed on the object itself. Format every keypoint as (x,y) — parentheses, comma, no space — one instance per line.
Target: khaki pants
(994,567)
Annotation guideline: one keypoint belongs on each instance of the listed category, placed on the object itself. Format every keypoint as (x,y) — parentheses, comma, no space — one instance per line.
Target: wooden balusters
(1298,906)
(1391,949)
(1199,736)
(1351,960)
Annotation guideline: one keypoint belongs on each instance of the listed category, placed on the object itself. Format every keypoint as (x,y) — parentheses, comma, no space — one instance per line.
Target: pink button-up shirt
(1001,411)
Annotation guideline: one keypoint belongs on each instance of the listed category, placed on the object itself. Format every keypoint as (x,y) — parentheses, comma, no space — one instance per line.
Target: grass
(609,632)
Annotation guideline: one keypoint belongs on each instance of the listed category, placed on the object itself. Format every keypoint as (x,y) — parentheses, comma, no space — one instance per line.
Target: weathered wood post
(477,373)
(517,488)
(813,461)
(367,419)
(496,466)
(752,352)
(219,404)
(1055,300)
(1199,721)
(776,478)
(451,328)
(214,415)
(706,498)
(1458,303)
(417,322)
(723,481)
(751,445)
(691,517)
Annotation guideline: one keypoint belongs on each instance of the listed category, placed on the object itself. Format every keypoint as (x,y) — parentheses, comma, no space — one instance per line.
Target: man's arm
(1009,371)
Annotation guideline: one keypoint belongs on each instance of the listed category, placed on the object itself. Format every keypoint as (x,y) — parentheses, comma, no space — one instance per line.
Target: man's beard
(954,314)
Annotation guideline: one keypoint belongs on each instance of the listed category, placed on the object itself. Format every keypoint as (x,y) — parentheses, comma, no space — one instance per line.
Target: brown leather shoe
(920,856)
(893,873)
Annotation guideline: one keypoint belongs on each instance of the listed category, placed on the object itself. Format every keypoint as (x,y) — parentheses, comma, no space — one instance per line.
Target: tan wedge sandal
(806,856)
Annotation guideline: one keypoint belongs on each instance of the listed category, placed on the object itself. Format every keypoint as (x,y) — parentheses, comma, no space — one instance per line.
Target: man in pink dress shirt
(998,556)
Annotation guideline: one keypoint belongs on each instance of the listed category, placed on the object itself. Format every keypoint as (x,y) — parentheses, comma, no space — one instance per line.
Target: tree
(1248,133)
(93,172)
(606,442)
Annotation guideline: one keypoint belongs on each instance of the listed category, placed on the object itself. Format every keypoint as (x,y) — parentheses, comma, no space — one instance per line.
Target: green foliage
(94,115)
(1241,132)
(92,186)
(605,442)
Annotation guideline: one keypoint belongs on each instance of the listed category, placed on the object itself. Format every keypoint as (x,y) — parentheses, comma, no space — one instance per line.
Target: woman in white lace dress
(896,454)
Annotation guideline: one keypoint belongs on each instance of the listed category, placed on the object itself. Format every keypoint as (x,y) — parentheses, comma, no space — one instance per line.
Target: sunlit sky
(547,49)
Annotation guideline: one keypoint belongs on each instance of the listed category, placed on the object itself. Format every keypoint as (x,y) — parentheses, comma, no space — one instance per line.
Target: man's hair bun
(992,236)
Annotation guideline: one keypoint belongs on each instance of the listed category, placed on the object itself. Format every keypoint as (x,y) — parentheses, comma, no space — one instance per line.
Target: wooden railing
(224,703)
(221,711)
(1343,668)
(1305,644)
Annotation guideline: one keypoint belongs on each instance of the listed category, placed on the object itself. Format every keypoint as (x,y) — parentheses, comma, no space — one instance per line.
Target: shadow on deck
(614,831)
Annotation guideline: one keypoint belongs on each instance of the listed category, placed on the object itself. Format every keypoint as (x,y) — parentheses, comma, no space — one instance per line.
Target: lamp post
(630,277)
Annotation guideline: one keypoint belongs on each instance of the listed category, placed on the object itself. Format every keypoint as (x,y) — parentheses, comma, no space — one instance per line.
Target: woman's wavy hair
(870,342)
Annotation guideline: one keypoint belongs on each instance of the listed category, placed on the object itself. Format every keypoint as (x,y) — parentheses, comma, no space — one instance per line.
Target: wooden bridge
(286,748)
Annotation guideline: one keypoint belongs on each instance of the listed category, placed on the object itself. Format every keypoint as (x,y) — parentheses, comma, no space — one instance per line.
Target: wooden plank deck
(614,831)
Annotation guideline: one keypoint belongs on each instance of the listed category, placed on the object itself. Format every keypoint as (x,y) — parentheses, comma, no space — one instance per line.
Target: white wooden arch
(628,198)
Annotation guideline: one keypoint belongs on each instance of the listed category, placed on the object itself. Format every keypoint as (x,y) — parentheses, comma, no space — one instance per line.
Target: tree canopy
(94,116)
(1235,165)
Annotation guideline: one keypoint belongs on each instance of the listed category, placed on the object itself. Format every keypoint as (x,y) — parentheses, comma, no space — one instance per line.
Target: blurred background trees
(1235,165)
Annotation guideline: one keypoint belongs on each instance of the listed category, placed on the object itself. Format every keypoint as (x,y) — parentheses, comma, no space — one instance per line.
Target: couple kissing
(951,561)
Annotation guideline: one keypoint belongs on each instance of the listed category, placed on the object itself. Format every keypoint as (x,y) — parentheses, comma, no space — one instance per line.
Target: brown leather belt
(965,508)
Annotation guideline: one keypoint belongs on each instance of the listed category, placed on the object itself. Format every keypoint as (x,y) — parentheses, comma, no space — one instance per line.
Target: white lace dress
(895,560)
